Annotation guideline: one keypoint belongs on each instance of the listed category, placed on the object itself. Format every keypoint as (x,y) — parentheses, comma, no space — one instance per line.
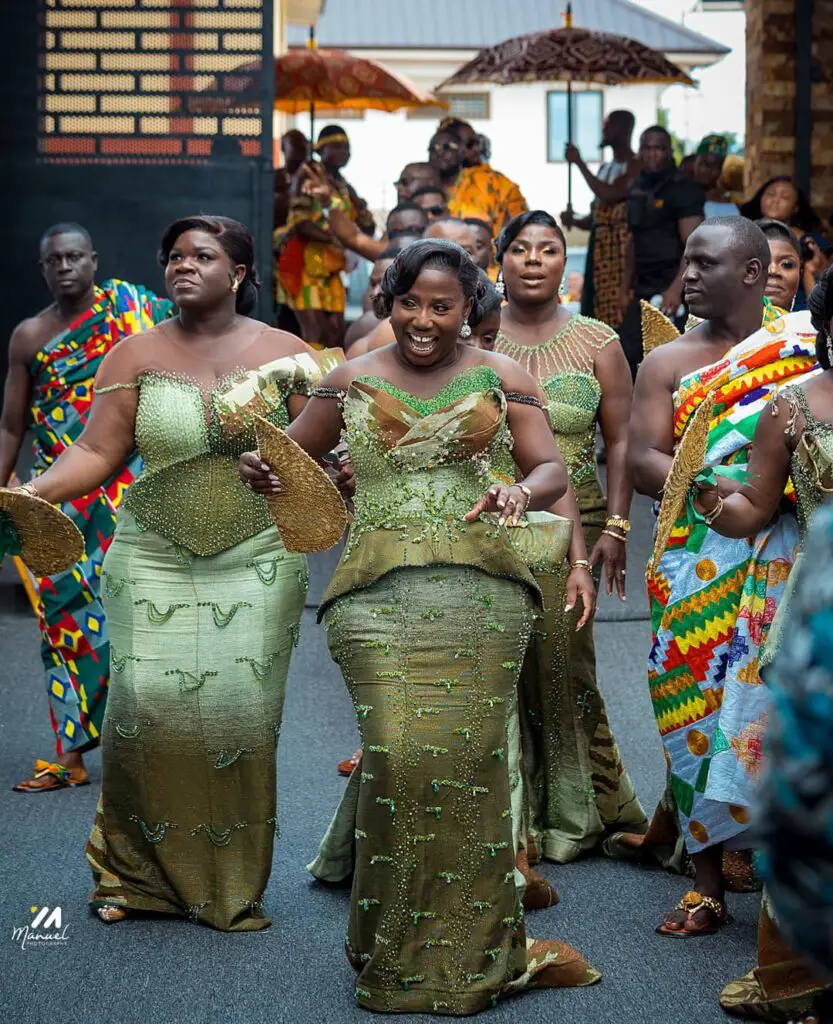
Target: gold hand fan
(689,459)
(49,541)
(309,512)
(657,329)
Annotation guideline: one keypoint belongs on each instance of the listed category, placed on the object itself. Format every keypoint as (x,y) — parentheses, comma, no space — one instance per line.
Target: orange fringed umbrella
(329,78)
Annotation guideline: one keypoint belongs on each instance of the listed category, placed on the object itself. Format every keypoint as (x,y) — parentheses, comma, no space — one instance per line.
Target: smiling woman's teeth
(421,344)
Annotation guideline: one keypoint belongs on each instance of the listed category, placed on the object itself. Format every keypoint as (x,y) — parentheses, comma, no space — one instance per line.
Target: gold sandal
(110,913)
(48,776)
(691,903)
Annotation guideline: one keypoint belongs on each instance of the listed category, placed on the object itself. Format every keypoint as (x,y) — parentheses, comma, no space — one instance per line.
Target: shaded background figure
(53,360)
(312,260)
(295,150)
(784,271)
(663,209)
(483,250)
(579,789)
(474,189)
(708,170)
(780,199)
(414,176)
(433,200)
(607,221)
(202,599)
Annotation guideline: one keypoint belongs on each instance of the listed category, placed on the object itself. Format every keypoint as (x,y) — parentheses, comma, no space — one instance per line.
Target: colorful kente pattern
(486,193)
(75,648)
(713,600)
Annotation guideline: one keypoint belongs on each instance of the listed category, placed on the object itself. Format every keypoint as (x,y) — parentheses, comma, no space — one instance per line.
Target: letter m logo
(48,919)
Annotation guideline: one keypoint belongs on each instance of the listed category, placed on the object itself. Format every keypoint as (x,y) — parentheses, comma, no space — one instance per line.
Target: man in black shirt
(663,209)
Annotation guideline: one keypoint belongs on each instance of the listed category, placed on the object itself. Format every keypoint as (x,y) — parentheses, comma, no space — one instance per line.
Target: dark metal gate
(124,114)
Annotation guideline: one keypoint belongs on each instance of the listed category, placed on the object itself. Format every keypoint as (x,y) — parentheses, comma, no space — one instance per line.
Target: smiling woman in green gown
(202,600)
(428,616)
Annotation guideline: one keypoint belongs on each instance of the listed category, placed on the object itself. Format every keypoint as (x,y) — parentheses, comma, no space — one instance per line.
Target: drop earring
(500,287)
(465,330)
(235,285)
(830,348)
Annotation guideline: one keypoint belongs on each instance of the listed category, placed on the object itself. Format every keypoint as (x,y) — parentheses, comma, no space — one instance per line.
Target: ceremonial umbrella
(329,78)
(569,55)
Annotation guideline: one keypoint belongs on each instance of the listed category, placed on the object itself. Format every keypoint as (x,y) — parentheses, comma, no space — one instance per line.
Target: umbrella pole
(312,122)
(569,140)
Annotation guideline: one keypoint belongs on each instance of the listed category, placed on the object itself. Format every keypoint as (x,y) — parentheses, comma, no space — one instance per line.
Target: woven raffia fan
(689,459)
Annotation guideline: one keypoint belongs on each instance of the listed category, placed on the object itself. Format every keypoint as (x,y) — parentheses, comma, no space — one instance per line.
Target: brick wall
(771,96)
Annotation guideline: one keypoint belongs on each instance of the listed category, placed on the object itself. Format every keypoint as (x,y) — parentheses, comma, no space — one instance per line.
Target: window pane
(587,124)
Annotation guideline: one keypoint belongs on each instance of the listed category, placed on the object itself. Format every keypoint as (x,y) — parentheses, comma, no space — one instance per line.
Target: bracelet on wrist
(526,491)
(616,536)
(581,563)
(618,523)
(709,517)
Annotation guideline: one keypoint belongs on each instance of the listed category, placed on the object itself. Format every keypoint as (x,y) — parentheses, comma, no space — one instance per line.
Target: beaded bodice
(811,464)
(191,439)
(564,367)
(421,465)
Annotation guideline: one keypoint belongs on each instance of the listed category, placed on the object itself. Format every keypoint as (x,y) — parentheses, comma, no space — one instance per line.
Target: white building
(428,40)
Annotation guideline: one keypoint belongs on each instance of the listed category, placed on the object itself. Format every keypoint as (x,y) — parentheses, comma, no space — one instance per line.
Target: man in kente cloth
(712,598)
(53,359)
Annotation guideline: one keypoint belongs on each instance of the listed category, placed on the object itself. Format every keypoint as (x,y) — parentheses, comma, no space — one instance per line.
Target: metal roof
(473,24)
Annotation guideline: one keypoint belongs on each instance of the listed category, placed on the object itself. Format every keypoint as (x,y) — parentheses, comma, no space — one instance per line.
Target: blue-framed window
(587,124)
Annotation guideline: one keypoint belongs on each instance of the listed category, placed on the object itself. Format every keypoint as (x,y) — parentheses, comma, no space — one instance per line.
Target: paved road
(163,971)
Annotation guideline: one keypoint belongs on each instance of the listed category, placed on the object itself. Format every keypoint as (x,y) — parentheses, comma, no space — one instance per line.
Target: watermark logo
(46,929)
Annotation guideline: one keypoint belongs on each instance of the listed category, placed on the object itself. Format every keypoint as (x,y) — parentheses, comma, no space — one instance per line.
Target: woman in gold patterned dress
(202,600)
(579,789)
(428,617)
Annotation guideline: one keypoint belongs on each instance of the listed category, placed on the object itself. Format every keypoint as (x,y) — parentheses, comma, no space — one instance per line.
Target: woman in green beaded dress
(202,600)
(428,617)
(794,442)
(579,789)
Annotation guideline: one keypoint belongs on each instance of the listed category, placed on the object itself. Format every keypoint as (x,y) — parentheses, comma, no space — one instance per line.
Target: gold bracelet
(581,563)
(619,522)
(709,517)
(28,488)
(616,536)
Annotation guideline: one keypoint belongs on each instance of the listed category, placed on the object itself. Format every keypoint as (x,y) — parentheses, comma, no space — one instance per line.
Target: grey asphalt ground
(158,971)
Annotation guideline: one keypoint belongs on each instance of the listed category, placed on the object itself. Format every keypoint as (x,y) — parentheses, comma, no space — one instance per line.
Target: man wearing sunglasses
(474,188)
(433,201)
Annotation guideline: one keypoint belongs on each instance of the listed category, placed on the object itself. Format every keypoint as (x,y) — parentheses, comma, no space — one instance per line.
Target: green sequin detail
(477,378)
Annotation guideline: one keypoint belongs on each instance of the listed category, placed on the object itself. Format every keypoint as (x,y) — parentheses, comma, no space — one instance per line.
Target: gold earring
(235,285)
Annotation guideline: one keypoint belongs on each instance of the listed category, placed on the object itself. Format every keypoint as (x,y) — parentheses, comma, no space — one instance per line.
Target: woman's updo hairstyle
(517,224)
(821,312)
(237,243)
(429,254)
(489,301)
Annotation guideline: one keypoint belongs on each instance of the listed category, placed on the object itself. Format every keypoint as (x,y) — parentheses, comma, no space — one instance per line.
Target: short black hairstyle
(408,206)
(478,222)
(820,303)
(431,190)
(399,240)
(235,239)
(66,227)
(657,129)
(452,126)
(489,300)
(327,131)
(625,117)
(431,253)
(778,229)
(805,218)
(516,226)
(747,237)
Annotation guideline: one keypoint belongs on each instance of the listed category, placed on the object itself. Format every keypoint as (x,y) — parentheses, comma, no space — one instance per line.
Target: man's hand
(568,218)
(572,154)
(671,300)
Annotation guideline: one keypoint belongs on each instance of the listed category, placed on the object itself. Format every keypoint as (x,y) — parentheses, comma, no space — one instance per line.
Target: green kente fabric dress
(578,787)
(428,618)
(203,604)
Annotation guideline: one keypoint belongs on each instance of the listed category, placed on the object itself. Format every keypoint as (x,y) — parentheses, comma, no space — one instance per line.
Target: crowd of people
(461,427)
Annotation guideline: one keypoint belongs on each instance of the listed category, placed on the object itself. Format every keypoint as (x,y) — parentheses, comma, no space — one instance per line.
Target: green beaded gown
(578,788)
(203,604)
(428,618)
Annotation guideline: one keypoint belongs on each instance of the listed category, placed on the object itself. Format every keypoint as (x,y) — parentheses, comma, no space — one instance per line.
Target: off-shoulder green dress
(203,604)
(428,618)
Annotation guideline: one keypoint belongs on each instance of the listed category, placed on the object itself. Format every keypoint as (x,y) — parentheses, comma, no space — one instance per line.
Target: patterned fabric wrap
(310,272)
(74,634)
(713,600)
(796,809)
(607,251)
(487,194)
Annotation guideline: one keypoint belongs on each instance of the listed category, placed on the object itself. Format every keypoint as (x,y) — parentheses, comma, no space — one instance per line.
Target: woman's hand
(580,585)
(255,474)
(345,480)
(611,553)
(707,497)
(509,502)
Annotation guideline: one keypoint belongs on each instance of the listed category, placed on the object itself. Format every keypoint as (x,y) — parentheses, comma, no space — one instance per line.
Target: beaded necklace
(572,349)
